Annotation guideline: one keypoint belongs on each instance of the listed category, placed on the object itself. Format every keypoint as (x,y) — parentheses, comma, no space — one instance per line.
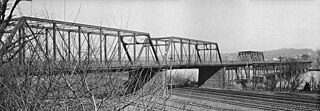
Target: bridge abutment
(138,78)
(211,77)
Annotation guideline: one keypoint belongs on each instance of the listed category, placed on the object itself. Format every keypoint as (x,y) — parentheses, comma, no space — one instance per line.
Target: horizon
(275,49)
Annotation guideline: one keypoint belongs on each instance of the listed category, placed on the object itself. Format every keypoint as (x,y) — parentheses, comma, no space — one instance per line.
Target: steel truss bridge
(48,43)
(45,41)
(51,45)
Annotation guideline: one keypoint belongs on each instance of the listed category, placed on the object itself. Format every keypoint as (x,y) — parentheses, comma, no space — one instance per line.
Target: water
(193,73)
(315,74)
(187,73)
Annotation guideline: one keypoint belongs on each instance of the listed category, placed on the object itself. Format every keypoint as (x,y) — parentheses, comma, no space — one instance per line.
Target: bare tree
(7,42)
(182,80)
(293,79)
(33,88)
(39,82)
(318,58)
(8,50)
(305,57)
(313,83)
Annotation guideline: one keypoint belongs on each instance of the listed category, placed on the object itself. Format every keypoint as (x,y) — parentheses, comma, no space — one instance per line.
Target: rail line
(198,105)
(253,100)
(180,105)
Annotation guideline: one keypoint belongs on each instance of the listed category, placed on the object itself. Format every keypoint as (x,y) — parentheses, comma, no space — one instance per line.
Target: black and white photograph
(159,55)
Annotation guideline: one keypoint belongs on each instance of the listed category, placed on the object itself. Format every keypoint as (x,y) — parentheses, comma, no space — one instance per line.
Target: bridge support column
(212,77)
(138,78)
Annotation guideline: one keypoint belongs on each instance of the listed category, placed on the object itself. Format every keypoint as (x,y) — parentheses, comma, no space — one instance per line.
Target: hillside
(285,52)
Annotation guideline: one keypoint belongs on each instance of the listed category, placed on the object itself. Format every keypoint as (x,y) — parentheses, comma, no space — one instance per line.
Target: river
(193,74)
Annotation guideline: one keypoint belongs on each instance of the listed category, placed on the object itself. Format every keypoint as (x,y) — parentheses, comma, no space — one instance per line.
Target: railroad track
(252,100)
(194,104)
(178,105)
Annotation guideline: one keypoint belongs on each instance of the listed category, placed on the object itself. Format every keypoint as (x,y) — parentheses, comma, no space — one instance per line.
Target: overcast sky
(236,25)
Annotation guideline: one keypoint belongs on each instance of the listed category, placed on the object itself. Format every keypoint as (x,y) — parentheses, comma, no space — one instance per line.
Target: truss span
(48,42)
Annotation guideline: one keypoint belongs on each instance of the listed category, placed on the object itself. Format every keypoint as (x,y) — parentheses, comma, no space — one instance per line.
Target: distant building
(275,59)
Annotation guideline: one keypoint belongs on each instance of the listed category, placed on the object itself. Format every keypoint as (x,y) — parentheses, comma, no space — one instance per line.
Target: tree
(318,52)
(313,83)
(28,86)
(7,41)
(318,58)
(293,79)
(305,56)
(181,80)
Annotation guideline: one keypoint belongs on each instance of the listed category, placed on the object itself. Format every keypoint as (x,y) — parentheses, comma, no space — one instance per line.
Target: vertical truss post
(228,75)
(141,50)
(147,53)
(69,46)
(23,56)
(47,45)
(88,49)
(263,57)
(134,48)
(197,49)
(54,42)
(166,52)
(181,51)
(173,57)
(20,46)
(119,48)
(167,48)
(236,73)
(210,53)
(219,53)
(189,48)
(204,52)
(156,47)
(79,44)
(232,74)
(171,49)
(251,57)
(153,50)
(176,56)
(105,49)
(100,39)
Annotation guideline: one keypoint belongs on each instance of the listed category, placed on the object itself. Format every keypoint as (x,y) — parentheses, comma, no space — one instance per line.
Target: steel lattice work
(250,56)
(44,40)
(183,51)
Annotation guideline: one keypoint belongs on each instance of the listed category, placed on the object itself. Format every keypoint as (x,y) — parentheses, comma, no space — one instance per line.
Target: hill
(285,52)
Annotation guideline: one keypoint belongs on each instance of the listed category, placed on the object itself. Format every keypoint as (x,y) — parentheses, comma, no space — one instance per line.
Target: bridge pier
(139,77)
(211,77)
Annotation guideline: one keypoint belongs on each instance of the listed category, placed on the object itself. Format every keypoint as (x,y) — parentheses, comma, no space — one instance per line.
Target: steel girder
(178,50)
(59,41)
(250,56)
(68,42)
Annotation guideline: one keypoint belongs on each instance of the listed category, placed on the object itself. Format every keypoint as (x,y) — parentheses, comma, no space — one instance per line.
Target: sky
(236,25)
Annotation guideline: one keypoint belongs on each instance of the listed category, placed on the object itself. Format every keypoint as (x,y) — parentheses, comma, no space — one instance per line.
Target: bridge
(52,45)
(73,42)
